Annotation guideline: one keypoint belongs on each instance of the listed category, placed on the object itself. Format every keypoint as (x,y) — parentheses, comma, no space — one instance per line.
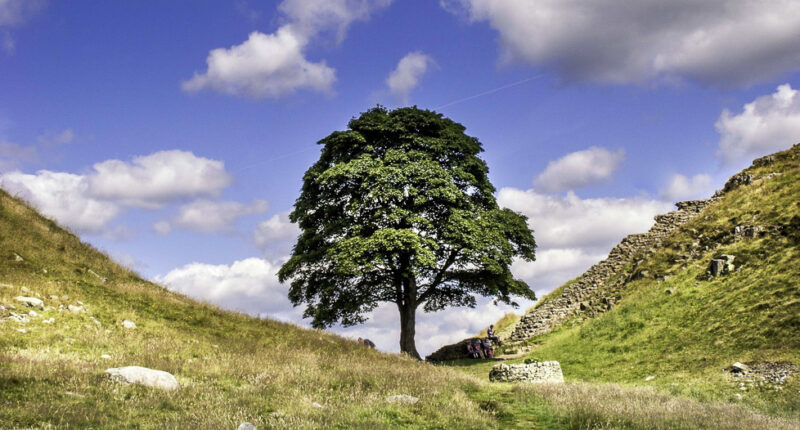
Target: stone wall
(595,290)
(538,372)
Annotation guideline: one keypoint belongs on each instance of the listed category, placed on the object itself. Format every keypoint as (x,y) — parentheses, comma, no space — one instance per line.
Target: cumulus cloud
(768,124)
(264,66)
(154,180)
(406,76)
(64,197)
(711,41)
(250,285)
(87,203)
(206,216)
(681,187)
(277,230)
(579,169)
(273,65)
(574,233)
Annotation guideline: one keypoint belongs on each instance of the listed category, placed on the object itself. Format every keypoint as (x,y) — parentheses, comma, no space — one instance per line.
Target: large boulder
(721,266)
(143,376)
(30,301)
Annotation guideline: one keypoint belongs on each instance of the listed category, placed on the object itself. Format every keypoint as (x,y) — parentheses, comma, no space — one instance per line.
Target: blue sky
(174,135)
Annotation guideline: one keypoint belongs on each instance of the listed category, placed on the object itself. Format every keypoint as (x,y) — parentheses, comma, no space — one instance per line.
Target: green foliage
(399,208)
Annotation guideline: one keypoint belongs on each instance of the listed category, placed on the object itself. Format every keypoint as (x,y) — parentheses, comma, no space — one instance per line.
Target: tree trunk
(408,321)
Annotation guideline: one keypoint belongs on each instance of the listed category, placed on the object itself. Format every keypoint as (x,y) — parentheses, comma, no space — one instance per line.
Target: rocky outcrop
(456,351)
(536,372)
(596,290)
(721,266)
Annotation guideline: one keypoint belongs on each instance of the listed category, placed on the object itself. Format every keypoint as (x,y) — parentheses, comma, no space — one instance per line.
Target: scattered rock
(25,290)
(739,368)
(53,297)
(33,314)
(670,291)
(537,372)
(649,378)
(75,309)
(105,356)
(128,324)
(31,302)
(246,426)
(93,273)
(17,257)
(49,321)
(143,376)
(403,399)
(22,330)
(316,405)
(721,266)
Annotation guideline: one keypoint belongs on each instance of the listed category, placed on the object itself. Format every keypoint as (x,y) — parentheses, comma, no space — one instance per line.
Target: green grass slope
(231,368)
(680,341)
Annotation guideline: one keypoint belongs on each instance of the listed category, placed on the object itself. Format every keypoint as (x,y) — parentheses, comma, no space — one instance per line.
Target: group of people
(478,348)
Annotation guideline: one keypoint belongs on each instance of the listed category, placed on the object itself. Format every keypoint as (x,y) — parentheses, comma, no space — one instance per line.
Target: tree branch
(439,276)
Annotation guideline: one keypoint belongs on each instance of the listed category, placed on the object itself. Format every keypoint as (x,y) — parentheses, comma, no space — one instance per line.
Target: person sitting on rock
(471,351)
(478,349)
(492,335)
(487,348)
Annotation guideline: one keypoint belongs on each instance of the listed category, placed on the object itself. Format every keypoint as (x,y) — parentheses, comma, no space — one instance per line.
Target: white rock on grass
(143,376)
(75,309)
(246,426)
(128,324)
(49,321)
(403,399)
(649,378)
(33,314)
(31,302)
(105,356)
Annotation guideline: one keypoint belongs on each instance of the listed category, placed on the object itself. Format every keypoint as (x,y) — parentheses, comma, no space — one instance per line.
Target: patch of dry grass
(610,406)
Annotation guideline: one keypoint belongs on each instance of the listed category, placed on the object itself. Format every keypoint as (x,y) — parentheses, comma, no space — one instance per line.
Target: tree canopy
(399,208)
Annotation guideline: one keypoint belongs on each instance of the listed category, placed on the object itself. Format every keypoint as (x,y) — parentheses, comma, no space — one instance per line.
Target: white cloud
(315,16)
(711,41)
(62,138)
(264,66)
(87,203)
(64,197)
(12,14)
(208,216)
(768,124)
(407,74)
(681,187)
(250,285)
(570,221)
(154,180)
(579,169)
(162,227)
(274,231)
(273,65)
(13,155)
(574,233)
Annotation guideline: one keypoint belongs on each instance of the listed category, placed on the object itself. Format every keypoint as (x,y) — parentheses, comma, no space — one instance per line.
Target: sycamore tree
(399,209)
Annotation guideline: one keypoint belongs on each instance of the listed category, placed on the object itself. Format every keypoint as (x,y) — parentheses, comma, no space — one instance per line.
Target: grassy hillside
(231,368)
(679,342)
